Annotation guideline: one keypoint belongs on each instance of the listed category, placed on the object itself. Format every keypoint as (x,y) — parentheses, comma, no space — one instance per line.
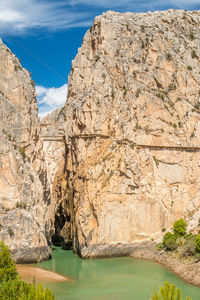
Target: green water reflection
(110,278)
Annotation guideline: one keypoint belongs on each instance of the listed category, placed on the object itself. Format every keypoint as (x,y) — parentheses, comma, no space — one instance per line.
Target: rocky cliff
(121,161)
(133,129)
(25,210)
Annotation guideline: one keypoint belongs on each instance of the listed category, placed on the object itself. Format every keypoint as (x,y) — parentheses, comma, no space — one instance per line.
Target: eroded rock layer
(25,210)
(133,129)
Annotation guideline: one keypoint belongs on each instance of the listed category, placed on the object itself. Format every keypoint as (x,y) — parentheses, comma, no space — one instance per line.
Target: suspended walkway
(54,138)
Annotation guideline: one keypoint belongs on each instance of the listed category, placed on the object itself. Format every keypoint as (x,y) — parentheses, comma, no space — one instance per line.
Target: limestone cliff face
(25,210)
(133,129)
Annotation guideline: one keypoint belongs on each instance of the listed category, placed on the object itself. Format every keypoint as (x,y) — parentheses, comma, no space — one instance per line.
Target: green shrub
(169,241)
(20,290)
(11,287)
(142,28)
(197,242)
(138,93)
(113,93)
(9,137)
(22,151)
(159,246)
(189,247)
(156,161)
(168,56)
(168,292)
(193,54)
(21,205)
(191,36)
(97,57)
(179,227)
(10,231)
(7,266)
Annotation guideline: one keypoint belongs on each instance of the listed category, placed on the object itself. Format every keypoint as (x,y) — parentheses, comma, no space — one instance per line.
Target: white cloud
(50,98)
(44,113)
(40,90)
(20,16)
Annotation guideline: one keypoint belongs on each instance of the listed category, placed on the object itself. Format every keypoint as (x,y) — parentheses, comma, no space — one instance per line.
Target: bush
(169,241)
(193,54)
(197,242)
(7,266)
(168,292)
(22,151)
(159,246)
(189,247)
(179,227)
(21,205)
(11,232)
(17,289)
(11,287)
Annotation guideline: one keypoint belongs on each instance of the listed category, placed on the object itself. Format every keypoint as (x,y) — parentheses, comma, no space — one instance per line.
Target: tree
(179,227)
(168,292)
(7,266)
(11,287)
(169,241)
(20,290)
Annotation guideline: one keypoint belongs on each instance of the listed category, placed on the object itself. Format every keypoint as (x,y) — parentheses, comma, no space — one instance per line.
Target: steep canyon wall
(121,160)
(132,123)
(25,199)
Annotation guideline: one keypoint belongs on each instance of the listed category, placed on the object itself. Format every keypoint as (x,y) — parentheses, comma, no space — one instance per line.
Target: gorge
(115,167)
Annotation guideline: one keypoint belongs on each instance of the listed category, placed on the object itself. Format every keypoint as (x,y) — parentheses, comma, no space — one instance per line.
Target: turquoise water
(110,278)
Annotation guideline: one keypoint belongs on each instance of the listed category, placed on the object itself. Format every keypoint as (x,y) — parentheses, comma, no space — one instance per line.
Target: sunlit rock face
(133,129)
(25,203)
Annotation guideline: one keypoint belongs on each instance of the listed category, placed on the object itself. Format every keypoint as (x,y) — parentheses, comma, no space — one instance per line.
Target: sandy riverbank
(33,273)
(187,269)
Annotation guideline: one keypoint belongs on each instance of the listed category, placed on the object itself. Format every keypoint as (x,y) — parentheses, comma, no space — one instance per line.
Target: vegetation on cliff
(11,287)
(168,292)
(185,244)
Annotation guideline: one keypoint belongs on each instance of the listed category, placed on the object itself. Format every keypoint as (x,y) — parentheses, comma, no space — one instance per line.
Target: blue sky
(45,36)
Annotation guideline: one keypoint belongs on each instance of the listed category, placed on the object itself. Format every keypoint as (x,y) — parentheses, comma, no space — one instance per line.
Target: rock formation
(121,161)
(25,210)
(133,129)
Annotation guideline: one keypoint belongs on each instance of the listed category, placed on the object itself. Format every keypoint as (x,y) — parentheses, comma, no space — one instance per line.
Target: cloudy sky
(46,34)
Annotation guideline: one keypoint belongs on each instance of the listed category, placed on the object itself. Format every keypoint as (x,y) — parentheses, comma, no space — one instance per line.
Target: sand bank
(33,273)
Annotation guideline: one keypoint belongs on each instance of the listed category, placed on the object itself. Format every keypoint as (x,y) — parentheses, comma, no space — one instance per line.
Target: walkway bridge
(54,138)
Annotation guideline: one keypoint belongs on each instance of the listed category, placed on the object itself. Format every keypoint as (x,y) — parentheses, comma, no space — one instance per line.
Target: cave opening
(63,197)
(62,225)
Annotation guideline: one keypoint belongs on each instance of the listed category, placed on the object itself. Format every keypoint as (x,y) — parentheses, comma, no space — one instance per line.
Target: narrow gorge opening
(63,195)
(57,155)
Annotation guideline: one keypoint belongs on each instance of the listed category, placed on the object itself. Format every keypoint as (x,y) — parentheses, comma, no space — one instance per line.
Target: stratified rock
(133,129)
(25,210)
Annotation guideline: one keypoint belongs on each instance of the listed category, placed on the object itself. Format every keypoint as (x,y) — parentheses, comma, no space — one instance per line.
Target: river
(110,278)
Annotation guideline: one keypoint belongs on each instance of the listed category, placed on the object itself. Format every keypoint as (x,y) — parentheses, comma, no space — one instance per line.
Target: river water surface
(110,278)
